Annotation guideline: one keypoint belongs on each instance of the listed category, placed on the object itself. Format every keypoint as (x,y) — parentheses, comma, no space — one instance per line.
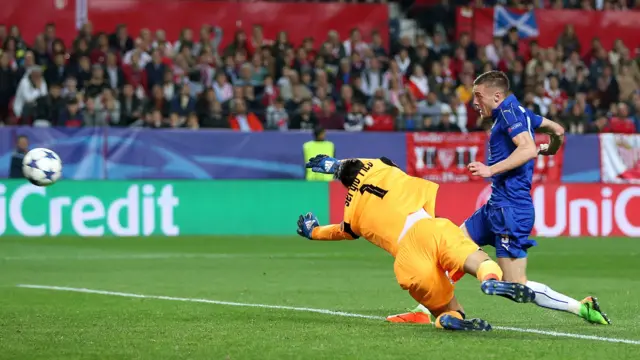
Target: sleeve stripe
(528,121)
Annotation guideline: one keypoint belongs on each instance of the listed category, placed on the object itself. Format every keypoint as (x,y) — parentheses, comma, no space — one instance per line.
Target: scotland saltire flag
(504,19)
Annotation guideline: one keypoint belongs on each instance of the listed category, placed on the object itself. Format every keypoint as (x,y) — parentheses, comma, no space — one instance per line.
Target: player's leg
(588,308)
(512,246)
(429,285)
(417,271)
(458,255)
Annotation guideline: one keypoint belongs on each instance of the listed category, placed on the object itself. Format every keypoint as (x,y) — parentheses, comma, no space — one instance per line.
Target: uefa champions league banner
(125,154)
(156,207)
(620,155)
(117,154)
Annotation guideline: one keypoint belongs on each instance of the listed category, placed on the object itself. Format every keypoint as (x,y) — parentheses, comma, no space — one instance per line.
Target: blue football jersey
(512,188)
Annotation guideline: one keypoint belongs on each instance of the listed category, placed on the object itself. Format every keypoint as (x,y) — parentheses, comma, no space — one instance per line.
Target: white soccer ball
(42,167)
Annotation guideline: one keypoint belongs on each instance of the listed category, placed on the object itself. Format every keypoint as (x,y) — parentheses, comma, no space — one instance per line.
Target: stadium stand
(340,82)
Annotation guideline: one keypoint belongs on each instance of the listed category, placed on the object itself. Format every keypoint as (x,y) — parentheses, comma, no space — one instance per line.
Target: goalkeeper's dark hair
(348,171)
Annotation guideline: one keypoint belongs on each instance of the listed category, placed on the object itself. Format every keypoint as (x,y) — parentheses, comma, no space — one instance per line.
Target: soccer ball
(42,167)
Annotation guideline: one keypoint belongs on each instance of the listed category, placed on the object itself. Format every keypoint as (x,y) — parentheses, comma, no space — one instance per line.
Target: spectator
(431,107)
(70,89)
(626,83)
(569,40)
(446,124)
(239,44)
(22,147)
(130,106)
(270,92)
(459,113)
(71,117)
(108,108)
(576,121)
(183,104)
(404,61)
(114,74)
(328,118)
(622,123)
(90,116)
(277,116)
(305,119)
(379,119)
(101,51)
(154,120)
(222,88)
(418,83)
(97,83)
(355,119)
(135,76)
(241,120)
(8,86)
(192,122)
(56,72)
(558,97)
(465,90)
(155,70)
(168,86)
(600,125)
(161,43)
(31,87)
(51,106)
(120,40)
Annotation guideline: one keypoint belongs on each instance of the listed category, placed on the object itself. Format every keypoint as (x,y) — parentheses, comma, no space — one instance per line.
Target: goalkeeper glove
(306,224)
(323,164)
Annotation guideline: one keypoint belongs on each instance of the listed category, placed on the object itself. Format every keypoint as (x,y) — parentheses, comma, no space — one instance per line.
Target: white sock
(546,297)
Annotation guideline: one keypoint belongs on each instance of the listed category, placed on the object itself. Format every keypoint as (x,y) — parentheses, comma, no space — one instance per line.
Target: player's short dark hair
(348,171)
(493,78)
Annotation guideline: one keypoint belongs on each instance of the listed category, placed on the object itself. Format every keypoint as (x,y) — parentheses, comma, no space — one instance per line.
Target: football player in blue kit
(506,221)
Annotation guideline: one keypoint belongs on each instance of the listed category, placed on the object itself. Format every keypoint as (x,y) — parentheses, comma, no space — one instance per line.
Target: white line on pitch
(160,256)
(313,310)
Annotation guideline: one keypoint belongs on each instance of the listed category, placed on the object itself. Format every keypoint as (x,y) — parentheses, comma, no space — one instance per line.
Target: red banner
(299,20)
(561,210)
(443,157)
(606,25)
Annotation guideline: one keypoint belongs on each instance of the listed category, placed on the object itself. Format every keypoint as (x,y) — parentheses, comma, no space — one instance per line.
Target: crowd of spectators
(256,84)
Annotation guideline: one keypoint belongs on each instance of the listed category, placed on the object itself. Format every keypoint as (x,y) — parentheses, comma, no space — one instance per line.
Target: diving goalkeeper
(394,211)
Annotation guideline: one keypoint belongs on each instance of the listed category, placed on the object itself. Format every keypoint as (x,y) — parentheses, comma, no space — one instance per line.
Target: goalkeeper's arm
(333,232)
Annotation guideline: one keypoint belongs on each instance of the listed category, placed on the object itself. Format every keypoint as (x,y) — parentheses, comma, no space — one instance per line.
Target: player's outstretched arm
(309,227)
(556,136)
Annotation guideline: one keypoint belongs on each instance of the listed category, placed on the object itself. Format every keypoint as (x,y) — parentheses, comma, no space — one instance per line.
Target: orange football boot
(419,315)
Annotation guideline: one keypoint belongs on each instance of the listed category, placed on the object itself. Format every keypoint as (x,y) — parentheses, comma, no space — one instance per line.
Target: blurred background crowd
(351,82)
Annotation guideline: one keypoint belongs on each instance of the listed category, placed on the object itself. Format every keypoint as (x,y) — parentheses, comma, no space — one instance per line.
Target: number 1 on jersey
(373,190)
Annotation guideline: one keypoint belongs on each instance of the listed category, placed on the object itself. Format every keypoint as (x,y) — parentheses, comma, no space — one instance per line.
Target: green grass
(354,277)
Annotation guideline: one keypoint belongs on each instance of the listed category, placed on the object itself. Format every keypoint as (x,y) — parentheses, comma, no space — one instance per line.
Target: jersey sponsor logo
(514,126)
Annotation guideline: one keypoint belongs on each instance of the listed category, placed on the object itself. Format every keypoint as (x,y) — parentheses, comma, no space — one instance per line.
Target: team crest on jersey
(446,157)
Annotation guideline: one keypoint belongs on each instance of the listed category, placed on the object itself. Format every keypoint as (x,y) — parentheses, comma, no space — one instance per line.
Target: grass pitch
(352,277)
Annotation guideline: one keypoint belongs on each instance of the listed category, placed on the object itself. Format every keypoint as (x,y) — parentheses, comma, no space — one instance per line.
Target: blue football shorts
(505,228)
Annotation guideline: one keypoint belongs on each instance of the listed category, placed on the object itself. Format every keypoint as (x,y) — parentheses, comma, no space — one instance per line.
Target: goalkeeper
(394,211)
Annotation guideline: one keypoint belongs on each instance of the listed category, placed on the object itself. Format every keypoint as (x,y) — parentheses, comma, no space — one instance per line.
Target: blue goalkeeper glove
(323,164)
(306,224)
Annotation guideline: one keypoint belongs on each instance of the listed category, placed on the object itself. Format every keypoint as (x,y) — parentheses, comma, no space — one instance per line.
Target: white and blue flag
(504,19)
